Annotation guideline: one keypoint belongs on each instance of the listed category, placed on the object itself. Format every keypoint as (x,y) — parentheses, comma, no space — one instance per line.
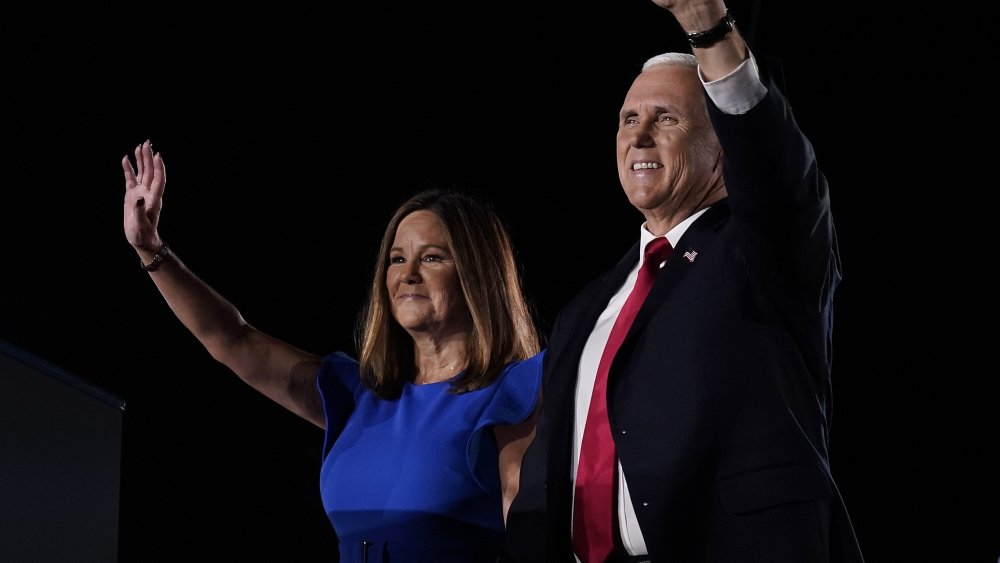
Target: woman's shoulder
(518,387)
(527,366)
(338,367)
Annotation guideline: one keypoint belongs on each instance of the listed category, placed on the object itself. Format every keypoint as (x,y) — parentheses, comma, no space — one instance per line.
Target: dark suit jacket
(720,394)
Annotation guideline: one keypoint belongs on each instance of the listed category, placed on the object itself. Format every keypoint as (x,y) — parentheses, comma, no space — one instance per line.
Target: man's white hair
(682,59)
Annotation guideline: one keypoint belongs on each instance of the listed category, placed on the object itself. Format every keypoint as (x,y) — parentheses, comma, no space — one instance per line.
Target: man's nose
(642,135)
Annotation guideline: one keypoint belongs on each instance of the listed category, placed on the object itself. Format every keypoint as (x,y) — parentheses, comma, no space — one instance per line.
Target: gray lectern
(60,464)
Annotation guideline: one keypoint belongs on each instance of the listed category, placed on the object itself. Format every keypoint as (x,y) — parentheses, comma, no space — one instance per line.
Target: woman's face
(422,279)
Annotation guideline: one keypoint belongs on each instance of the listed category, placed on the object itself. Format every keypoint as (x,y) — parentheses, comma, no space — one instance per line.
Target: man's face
(668,154)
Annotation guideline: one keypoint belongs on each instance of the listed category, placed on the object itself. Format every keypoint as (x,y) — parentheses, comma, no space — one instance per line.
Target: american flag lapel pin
(690,255)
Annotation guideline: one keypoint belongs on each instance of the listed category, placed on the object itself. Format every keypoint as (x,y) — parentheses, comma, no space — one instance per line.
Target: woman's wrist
(152,260)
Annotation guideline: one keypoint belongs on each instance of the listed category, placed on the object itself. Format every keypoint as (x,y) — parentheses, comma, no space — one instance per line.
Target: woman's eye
(396,260)
(432,258)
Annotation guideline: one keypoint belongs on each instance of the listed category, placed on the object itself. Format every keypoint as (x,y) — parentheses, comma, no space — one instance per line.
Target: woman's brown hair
(504,329)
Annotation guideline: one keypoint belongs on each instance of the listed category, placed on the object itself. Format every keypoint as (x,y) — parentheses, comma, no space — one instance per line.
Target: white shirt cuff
(739,91)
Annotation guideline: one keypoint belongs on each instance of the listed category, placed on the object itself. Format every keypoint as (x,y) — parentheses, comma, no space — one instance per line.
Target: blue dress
(417,478)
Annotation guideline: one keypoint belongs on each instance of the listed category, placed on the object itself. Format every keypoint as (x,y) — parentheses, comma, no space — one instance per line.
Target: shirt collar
(673,235)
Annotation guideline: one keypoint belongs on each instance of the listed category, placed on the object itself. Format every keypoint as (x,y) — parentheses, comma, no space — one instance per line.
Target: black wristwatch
(709,37)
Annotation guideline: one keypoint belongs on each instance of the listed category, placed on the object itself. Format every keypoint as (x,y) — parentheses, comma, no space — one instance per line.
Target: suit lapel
(697,239)
(564,362)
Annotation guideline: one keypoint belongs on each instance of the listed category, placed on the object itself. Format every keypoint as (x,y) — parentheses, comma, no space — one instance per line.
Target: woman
(425,430)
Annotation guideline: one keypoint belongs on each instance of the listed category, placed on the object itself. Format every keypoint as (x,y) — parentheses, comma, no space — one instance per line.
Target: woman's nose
(411,272)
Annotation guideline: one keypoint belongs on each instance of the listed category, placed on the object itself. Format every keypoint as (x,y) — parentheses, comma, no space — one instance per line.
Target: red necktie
(595,476)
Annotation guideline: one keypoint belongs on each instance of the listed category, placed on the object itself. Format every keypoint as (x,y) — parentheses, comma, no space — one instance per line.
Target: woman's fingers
(138,163)
(130,181)
(159,177)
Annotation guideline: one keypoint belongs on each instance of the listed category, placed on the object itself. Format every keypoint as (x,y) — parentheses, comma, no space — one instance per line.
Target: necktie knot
(657,250)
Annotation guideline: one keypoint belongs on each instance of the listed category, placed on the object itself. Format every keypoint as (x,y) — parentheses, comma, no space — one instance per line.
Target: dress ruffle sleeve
(339,382)
(515,394)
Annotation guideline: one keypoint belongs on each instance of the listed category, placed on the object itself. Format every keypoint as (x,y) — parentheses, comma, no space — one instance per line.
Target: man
(691,424)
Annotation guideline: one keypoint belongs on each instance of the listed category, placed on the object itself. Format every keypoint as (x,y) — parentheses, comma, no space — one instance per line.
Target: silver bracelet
(160,255)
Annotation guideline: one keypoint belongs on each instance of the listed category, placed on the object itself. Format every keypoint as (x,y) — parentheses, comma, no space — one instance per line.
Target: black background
(290,134)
